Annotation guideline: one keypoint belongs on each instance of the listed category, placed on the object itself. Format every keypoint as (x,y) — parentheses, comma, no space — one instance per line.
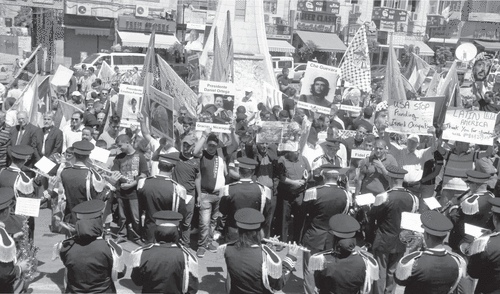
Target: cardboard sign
(316,74)
(309,106)
(217,88)
(218,106)
(350,108)
(411,221)
(359,153)
(410,117)
(27,206)
(129,104)
(472,126)
(216,128)
(162,114)
(270,132)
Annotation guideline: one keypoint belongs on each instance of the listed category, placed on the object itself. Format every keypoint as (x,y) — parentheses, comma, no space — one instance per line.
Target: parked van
(282,62)
(124,61)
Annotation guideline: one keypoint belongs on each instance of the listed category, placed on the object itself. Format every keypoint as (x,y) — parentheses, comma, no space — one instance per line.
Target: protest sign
(193,62)
(219,107)
(472,126)
(309,106)
(359,153)
(62,76)
(410,117)
(438,106)
(270,132)
(290,137)
(318,84)
(162,114)
(129,104)
(105,74)
(349,108)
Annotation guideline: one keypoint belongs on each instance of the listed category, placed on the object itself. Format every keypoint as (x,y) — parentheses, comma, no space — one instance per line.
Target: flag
(446,13)
(149,75)
(393,83)
(28,101)
(355,67)
(217,66)
(63,114)
(433,85)
(450,89)
(105,74)
(416,71)
(44,101)
(174,86)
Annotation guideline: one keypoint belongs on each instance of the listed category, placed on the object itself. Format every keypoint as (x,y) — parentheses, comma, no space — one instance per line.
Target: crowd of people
(247,199)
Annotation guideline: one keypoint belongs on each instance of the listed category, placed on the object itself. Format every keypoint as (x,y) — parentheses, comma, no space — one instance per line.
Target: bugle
(284,244)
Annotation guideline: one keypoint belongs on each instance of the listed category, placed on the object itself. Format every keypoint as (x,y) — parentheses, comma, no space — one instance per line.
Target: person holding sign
(435,269)
(386,213)
(484,252)
(345,268)
(320,204)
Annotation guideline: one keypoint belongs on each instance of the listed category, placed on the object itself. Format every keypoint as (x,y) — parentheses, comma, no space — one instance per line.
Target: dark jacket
(54,142)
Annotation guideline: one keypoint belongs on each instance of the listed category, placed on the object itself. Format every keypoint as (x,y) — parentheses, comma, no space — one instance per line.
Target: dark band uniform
(158,193)
(339,273)
(484,260)
(320,204)
(163,267)
(80,183)
(257,269)
(244,194)
(474,209)
(92,263)
(433,270)
(10,273)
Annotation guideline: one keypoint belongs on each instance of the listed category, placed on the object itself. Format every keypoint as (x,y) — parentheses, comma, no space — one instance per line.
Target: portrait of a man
(319,90)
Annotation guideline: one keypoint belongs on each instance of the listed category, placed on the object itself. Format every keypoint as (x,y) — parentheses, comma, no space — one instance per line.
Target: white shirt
(411,162)
(16,93)
(70,136)
(11,118)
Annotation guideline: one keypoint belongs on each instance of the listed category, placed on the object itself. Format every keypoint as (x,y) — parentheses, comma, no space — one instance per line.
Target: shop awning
(89,31)
(130,39)
(387,46)
(490,46)
(424,49)
(443,40)
(325,42)
(280,46)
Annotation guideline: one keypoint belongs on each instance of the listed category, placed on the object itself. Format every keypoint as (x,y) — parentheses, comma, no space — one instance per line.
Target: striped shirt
(4,143)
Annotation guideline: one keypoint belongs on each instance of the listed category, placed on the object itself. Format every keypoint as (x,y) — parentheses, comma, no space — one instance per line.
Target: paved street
(212,267)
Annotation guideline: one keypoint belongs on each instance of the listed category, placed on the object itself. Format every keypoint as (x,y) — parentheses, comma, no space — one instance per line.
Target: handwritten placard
(411,221)
(365,199)
(359,153)
(216,128)
(27,206)
(45,165)
(410,117)
(310,106)
(472,126)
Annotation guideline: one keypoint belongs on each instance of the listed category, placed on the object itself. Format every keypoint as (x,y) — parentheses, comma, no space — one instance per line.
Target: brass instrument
(274,242)
(450,203)
(40,173)
(27,251)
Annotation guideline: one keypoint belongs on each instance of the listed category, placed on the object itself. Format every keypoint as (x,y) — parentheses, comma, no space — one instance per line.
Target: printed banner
(318,84)
(218,107)
(471,126)
(129,104)
(162,114)
(360,153)
(410,117)
(270,132)
(309,106)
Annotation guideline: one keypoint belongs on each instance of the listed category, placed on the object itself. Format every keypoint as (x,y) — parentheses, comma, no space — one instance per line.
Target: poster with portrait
(129,104)
(290,137)
(318,86)
(218,107)
(193,62)
(162,114)
(270,132)
(194,39)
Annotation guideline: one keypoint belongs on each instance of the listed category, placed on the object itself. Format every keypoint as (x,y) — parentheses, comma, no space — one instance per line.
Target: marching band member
(434,270)
(484,252)
(244,193)
(345,268)
(320,204)
(386,212)
(92,263)
(253,268)
(165,266)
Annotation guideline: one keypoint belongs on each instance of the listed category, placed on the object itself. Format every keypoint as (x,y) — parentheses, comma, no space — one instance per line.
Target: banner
(318,84)
(309,106)
(471,126)
(410,117)
(270,132)
(105,74)
(130,100)
(219,109)
(162,114)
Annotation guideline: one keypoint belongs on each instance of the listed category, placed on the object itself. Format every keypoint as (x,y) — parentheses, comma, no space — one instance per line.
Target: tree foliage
(307,50)
(442,55)
(23,17)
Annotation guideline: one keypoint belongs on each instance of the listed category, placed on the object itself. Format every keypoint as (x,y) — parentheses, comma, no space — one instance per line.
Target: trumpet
(105,170)
(284,244)
(40,173)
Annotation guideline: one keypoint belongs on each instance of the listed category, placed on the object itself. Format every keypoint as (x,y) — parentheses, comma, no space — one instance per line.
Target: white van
(282,62)
(124,61)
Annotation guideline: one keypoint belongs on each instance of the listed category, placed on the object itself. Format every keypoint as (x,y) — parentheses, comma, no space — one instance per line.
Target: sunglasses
(182,113)
(74,118)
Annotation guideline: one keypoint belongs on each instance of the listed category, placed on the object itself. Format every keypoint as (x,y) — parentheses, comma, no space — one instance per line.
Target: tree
(23,17)
(307,50)
(408,50)
(442,55)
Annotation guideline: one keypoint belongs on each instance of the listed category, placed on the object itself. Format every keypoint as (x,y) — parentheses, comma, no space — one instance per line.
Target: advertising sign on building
(53,4)
(389,14)
(274,31)
(319,6)
(145,25)
(315,21)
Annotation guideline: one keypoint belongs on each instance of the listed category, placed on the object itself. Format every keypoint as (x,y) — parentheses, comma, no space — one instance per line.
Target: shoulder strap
(371,270)
(445,164)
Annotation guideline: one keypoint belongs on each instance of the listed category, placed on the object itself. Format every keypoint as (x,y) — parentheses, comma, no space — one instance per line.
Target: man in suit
(26,133)
(52,136)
